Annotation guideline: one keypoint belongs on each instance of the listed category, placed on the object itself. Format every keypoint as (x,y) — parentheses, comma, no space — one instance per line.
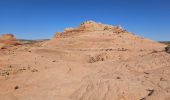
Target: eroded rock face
(58,34)
(8,40)
(91,26)
(10,37)
(167,49)
(69,29)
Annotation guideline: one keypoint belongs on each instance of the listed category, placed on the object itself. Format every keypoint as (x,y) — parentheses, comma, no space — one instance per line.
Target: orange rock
(8,40)
(8,37)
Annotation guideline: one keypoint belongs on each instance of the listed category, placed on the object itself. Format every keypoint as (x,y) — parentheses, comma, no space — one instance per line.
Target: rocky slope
(92,62)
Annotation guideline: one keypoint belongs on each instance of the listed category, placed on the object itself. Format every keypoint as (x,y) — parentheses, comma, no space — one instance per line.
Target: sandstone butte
(92,62)
(8,40)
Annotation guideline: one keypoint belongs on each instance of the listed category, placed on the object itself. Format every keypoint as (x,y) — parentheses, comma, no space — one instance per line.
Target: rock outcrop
(167,49)
(94,26)
(58,34)
(90,26)
(7,40)
(10,37)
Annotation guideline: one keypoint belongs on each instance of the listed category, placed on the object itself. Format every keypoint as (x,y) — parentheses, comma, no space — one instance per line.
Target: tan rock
(91,26)
(69,29)
(58,34)
(92,62)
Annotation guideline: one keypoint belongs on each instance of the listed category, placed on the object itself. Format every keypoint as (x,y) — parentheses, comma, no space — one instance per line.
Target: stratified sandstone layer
(8,40)
(92,62)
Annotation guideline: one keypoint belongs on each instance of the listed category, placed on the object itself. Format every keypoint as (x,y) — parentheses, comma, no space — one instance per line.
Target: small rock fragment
(34,70)
(117,77)
(16,87)
(151,91)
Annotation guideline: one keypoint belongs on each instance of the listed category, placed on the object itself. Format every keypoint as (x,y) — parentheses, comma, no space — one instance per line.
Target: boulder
(167,49)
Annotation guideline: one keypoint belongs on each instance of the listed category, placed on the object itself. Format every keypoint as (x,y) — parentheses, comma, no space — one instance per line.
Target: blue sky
(37,19)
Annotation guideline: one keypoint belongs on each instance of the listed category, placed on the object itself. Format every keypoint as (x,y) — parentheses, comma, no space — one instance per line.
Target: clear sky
(37,19)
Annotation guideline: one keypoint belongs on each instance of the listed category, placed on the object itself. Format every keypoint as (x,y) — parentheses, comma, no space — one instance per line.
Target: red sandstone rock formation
(8,40)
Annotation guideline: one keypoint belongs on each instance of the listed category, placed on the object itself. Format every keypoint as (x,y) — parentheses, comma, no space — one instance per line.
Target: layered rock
(93,26)
(90,26)
(8,40)
(10,37)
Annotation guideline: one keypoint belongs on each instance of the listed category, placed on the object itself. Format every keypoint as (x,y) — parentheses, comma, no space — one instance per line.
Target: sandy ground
(86,65)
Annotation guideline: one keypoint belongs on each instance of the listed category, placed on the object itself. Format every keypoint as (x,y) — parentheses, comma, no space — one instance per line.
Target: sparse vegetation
(23,41)
(165,42)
